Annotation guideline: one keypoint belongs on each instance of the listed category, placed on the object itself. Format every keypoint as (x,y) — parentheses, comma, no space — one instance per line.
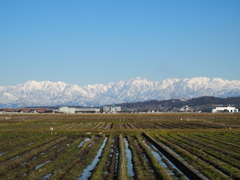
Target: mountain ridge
(33,93)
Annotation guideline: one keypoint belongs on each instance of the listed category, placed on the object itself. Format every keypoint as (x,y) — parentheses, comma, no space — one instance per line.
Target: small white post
(51,129)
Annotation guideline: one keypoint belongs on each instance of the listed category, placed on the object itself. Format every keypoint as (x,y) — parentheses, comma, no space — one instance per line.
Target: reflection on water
(129,159)
(85,140)
(87,172)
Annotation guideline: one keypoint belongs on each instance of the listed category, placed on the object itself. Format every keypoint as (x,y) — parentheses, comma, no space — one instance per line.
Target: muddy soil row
(20,150)
(218,153)
(32,160)
(188,171)
(73,164)
(207,165)
(9,144)
(131,159)
(111,156)
(230,151)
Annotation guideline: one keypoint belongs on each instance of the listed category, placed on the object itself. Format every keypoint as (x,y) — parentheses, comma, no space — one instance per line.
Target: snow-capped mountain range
(46,93)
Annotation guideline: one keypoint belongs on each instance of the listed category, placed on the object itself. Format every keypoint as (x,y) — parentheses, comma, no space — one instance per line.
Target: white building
(112,109)
(225,109)
(106,108)
(115,109)
(67,109)
(88,110)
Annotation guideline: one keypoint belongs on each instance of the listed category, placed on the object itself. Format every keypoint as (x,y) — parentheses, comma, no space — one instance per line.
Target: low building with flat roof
(66,109)
(88,110)
(112,109)
(224,109)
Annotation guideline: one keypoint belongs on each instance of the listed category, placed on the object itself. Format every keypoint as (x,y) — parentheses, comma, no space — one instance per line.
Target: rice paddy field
(120,146)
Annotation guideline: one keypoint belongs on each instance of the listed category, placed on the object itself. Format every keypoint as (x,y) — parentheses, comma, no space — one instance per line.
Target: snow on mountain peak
(43,85)
(134,89)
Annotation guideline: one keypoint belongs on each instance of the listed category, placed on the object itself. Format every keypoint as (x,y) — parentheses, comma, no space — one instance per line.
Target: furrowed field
(120,146)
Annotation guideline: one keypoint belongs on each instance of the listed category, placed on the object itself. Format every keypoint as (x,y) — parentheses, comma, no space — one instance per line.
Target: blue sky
(91,42)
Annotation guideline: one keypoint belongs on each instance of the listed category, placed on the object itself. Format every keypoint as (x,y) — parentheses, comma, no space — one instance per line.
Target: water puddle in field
(116,163)
(173,151)
(29,144)
(186,161)
(28,161)
(3,153)
(110,127)
(87,172)
(61,149)
(223,173)
(23,163)
(53,147)
(40,165)
(148,162)
(212,166)
(83,142)
(91,144)
(14,158)
(129,159)
(108,163)
(110,157)
(159,157)
(46,176)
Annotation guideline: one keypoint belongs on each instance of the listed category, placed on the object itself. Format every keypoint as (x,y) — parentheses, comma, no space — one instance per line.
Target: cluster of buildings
(104,109)
(220,109)
(64,109)
(206,109)
(117,109)
(225,109)
(26,110)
